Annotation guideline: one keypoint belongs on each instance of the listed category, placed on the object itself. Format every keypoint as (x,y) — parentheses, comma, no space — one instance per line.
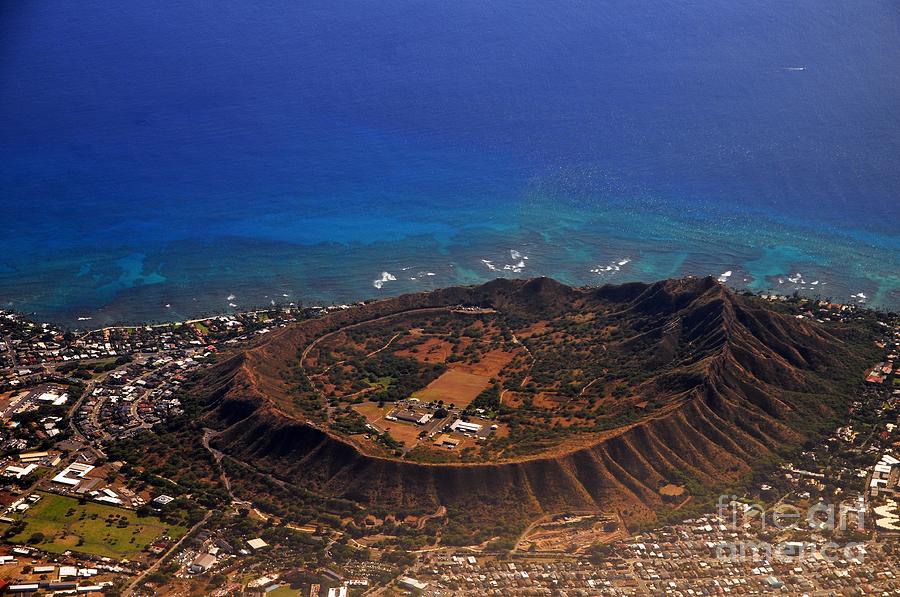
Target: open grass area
(91,528)
(405,433)
(382,382)
(372,412)
(283,591)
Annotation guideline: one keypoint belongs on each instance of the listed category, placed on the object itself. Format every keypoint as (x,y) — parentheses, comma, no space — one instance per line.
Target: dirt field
(432,350)
(7,397)
(548,400)
(454,387)
(490,364)
(574,533)
(405,433)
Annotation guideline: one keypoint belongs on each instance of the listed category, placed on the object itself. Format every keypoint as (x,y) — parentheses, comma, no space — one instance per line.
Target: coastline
(313,309)
(581,246)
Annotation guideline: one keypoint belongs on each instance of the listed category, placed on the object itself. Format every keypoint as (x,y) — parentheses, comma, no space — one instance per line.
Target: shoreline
(297,307)
(580,245)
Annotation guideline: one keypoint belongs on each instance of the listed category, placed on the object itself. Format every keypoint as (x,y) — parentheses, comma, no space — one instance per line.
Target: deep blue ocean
(164,160)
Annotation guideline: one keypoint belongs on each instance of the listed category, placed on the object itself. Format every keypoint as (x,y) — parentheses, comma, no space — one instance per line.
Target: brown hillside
(733,383)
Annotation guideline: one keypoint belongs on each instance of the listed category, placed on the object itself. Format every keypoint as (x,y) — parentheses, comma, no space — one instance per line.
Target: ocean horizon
(160,164)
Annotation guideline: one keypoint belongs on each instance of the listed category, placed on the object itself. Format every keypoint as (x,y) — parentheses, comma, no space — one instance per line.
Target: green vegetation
(173,461)
(488,400)
(349,422)
(397,377)
(57,523)
(552,377)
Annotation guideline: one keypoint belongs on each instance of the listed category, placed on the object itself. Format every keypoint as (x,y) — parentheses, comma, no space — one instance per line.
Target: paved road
(12,353)
(129,589)
(208,434)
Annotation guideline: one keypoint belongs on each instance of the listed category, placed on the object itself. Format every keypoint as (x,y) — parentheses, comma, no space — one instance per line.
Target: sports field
(91,528)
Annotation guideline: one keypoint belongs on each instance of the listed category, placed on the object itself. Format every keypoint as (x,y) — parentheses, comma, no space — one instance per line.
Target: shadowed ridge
(619,293)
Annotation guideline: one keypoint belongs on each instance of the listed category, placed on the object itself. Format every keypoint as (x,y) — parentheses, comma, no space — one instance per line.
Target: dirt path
(590,383)
(527,378)
(208,434)
(371,354)
(315,342)
(389,342)
(439,513)
(353,326)
(530,528)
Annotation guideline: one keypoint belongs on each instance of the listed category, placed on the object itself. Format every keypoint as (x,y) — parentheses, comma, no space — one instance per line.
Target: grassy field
(283,591)
(91,528)
(382,382)
(372,412)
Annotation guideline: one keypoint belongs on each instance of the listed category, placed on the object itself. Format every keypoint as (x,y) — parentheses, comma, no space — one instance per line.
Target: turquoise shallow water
(186,278)
(318,152)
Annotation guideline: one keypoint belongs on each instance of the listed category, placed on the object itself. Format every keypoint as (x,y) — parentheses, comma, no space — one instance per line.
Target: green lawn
(91,528)
(383,382)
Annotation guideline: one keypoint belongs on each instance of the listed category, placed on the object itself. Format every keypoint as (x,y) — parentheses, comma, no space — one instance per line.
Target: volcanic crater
(591,399)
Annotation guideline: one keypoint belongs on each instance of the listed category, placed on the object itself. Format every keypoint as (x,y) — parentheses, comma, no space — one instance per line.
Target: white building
(53,398)
(411,583)
(465,427)
(73,474)
(18,472)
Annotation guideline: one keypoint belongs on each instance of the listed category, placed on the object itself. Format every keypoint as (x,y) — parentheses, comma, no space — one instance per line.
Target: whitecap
(515,268)
(430,274)
(385,277)
(489,265)
(613,266)
(232,305)
(230,297)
